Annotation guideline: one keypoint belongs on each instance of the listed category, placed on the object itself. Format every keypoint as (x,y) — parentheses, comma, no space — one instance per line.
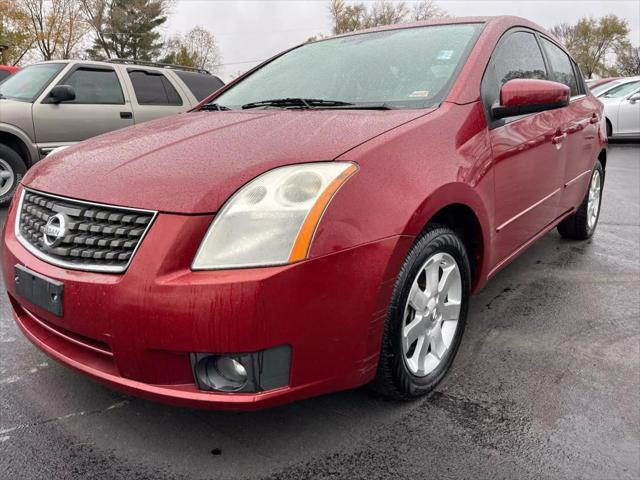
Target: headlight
(272,219)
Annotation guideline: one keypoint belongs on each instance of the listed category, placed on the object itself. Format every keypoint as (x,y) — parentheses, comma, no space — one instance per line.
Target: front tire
(12,169)
(582,224)
(426,316)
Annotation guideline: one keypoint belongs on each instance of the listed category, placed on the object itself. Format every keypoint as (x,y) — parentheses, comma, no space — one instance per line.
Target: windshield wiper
(297,102)
(213,107)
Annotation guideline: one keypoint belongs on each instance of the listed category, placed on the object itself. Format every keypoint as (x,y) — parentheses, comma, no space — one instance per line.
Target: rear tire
(426,316)
(12,169)
(582,224)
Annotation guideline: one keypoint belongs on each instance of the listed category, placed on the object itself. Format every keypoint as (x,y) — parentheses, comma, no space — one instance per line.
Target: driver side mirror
(61,93)
(634,98)
(521,96)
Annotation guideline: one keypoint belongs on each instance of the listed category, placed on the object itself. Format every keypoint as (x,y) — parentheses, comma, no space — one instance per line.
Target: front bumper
(135,331)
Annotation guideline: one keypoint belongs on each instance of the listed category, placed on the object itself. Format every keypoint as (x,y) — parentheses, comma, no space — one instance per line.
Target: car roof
(130,64)
(504,21)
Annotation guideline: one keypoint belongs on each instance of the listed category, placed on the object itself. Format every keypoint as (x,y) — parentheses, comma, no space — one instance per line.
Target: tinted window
(153,88)
(200,84)
(561,67)
(409,67)
(29,82)
(95,86)
(622,90)
(3,74)
(519,56)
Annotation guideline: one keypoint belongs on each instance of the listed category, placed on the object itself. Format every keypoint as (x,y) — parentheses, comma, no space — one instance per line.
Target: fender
(456,194)
(24,138)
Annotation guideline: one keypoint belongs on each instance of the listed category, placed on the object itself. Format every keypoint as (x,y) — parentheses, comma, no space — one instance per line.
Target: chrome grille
(96,237)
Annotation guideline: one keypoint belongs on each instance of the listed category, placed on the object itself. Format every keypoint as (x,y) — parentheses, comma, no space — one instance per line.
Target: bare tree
(565,34)
(347,17)
(197,48)
(427,9)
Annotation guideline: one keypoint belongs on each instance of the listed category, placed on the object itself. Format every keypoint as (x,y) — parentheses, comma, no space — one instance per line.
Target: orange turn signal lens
(303,241)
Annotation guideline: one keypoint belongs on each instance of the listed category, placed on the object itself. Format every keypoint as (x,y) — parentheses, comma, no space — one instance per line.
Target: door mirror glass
(61,93)
(522,96)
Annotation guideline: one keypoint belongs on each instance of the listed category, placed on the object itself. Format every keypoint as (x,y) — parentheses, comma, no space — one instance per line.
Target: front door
(529,150)
(99,107)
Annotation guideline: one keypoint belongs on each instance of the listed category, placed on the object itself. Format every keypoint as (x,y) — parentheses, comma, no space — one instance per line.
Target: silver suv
(55,104)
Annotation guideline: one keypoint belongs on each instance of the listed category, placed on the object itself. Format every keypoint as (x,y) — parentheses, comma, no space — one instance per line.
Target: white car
(622,109)
(605,88)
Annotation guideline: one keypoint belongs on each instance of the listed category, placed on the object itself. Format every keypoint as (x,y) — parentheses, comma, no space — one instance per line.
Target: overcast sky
(253,30)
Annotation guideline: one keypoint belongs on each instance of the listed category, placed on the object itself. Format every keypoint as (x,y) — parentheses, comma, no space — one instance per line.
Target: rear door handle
(557,139)
(594,119)
(126,115)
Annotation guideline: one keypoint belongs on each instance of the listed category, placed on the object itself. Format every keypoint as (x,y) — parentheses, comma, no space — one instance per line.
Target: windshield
(27,84)
(622,90)
(410,68)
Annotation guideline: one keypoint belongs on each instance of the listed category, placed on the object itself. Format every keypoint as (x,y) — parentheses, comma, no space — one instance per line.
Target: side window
(95,86)
(153,88)
(517,56)
(201,84)
(561,67)
(621,90)
(3,74)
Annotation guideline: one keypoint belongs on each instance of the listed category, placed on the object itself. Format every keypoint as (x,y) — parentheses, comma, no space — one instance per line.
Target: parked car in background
(56,104)
(6,71)
(593,83)
(316,225)
(615,86)
(622,110)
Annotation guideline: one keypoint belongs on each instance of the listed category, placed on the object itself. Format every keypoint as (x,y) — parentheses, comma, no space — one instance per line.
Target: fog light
(242,372)
(224,374)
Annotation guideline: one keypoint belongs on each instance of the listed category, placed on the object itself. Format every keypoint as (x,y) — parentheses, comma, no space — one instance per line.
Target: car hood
(191,163)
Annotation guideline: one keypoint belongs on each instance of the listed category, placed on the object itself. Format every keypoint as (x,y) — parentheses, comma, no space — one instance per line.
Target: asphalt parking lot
(546,385)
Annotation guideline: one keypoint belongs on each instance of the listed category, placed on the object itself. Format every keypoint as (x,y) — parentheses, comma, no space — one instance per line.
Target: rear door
(99,107)
(582,120)
(629,115)
(528,149)
(154,94)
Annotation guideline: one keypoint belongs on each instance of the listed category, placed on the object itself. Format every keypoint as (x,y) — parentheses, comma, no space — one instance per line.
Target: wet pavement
(546,385)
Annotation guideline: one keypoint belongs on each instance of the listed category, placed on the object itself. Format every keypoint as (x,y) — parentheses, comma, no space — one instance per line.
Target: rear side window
(95,86)
(200,84)
(561,67)
(153,88)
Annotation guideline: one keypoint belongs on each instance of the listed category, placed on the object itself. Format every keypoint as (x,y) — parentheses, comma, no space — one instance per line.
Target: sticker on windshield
(445,54)
(420,93)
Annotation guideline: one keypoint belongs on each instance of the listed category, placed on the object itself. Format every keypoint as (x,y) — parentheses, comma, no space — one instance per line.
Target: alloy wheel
(431,314)
(6,177)
(593,205)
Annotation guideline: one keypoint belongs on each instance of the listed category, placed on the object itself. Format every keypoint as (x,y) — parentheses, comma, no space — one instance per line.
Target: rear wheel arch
(609,126)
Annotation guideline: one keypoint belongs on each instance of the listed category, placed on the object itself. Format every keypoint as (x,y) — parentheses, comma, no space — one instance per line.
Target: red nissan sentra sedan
(317,225)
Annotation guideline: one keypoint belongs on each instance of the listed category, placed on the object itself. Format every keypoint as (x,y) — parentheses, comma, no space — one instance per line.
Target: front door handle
(126,115)
(594,119)
(557,139)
